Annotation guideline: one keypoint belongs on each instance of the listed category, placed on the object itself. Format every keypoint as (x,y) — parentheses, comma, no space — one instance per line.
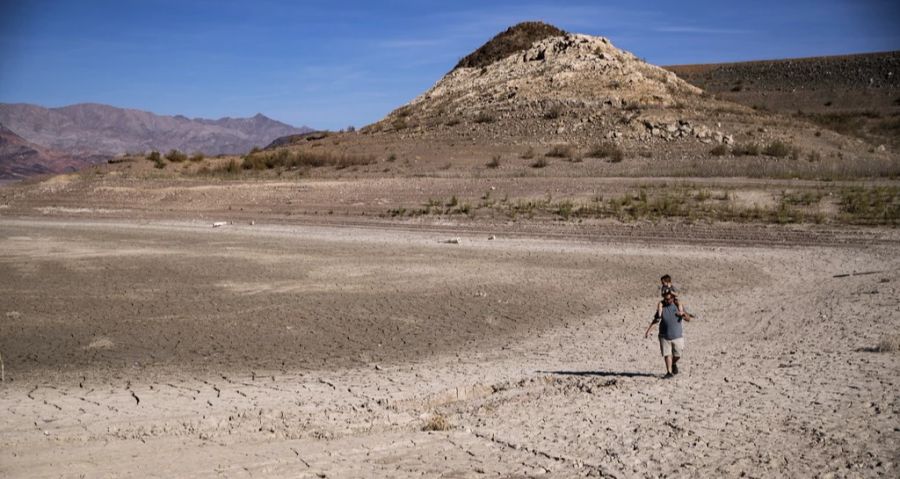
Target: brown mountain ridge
(87,133)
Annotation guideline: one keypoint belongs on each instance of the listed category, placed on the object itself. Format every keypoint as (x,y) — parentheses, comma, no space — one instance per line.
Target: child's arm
(682,312)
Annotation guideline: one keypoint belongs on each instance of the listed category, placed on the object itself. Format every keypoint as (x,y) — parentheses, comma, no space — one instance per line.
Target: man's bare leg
(674,367)
(668,364)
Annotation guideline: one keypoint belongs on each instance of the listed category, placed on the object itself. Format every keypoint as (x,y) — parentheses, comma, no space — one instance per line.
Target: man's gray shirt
(670,324)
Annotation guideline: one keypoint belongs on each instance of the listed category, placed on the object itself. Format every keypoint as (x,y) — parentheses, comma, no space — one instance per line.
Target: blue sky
(331,64)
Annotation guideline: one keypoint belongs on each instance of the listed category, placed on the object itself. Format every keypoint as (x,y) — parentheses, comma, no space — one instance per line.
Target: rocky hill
(89,130)
(560,87)
(534,95)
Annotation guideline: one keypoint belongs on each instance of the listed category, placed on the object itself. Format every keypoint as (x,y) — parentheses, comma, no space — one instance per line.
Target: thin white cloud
(702,30)
(410,43)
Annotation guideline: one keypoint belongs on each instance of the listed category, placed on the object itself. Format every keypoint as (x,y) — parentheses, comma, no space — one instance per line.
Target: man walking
(671,334)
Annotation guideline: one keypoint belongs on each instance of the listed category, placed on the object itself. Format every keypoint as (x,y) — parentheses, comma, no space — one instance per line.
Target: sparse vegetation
(560,151)
(484,117)
(553,112)
(888,344)
(157,160)
(197,157)
(514,39)
(874,205)
(540,163)
(494,163)
(719,150)
(780,149)
(529,154)
(746,149)
(691,203)
(801,198)
(608,150)
(231,167)
(176,156)
(286,159)
(399,123)
(437,422)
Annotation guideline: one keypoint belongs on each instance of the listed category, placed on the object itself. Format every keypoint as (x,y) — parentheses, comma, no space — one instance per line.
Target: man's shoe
(668,376)
(674,369)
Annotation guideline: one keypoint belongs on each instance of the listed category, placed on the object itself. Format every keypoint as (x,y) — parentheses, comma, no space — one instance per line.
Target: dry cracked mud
(168,348)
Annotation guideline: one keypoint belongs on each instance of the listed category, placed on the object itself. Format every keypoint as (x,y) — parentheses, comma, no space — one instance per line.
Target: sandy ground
(172,349)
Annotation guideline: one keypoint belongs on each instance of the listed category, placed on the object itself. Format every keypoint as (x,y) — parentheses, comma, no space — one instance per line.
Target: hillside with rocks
(92,132)
(857,95)
(568,86)
(537,92)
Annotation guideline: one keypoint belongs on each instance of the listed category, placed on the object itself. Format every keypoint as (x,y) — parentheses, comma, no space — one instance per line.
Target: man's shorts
(671,347)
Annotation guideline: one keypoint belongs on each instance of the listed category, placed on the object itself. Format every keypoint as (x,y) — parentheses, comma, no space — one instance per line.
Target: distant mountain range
(35,140)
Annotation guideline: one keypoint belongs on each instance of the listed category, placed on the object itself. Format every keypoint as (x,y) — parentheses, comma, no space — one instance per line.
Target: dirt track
(298,351)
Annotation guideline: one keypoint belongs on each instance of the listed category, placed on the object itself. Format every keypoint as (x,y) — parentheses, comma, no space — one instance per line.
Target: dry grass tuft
(437,422)
(608,150)
(561,151)
(889,344)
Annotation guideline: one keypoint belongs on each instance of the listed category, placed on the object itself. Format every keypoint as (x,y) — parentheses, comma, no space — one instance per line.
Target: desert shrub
(452,122)
(176,156)
(872,205)
(553,112)
(287,159)
(778,149)
(437,422)
(565,209)
(719,150)
(484,117)
(814,156)
(801,198)
(529,154)
(495,162)
(399,123)
(888,344)
(404,111)
(560,151)
(540,163)
(746,149)
(197,157)
(253,162)
(702,195)
(231,167)
(154,156)
(608,150)
(392,157)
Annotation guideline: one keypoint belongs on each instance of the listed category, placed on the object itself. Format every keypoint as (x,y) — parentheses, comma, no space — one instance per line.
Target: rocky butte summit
(534,88)
(537,81)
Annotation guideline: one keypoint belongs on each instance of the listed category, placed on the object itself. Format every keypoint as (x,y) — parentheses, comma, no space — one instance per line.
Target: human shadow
(620,374)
